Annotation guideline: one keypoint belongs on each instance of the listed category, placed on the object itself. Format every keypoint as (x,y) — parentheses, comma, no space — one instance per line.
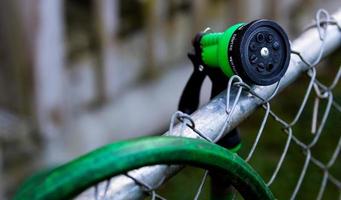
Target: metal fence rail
(232,106)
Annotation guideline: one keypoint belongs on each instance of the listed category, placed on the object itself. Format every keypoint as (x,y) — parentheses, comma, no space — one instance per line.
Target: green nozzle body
(214,49)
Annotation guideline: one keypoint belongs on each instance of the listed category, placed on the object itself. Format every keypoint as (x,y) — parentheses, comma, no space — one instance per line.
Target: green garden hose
(74,177)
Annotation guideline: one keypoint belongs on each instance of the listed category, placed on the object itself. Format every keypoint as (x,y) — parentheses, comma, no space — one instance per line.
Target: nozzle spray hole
(260,37)
(269,67)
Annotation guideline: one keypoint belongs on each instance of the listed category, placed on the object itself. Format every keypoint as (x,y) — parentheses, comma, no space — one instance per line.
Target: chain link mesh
(321,92)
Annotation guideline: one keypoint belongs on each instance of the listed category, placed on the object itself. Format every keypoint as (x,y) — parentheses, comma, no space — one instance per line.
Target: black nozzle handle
(189,100)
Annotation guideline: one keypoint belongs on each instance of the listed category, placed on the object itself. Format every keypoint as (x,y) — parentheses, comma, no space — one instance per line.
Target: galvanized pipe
(210,118)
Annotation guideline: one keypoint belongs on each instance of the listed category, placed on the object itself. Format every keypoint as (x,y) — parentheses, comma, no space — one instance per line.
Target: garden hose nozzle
(258,52)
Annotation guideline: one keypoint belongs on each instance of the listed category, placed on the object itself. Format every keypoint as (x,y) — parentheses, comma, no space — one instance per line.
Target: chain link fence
(239,101)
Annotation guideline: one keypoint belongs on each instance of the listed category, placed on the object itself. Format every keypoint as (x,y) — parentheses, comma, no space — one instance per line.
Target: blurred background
(78,74)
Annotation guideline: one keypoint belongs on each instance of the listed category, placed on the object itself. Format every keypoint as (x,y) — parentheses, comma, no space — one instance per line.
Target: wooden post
(199,8)
(108,78)
(150,15)
(49,76)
